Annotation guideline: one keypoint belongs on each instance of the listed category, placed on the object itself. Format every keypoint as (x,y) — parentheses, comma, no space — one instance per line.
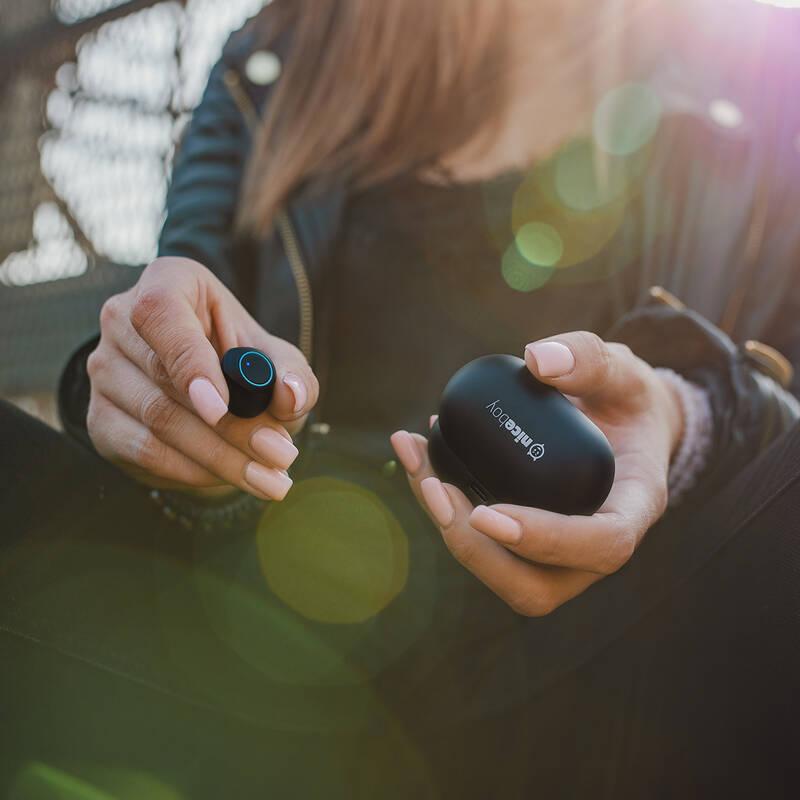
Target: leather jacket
(748,384)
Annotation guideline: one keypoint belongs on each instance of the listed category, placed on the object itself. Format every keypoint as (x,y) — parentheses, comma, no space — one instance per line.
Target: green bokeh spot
(520,274)
(627,118)
(334,552)
(540,244)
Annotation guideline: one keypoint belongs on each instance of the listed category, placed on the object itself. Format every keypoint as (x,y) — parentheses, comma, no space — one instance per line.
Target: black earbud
(250,375)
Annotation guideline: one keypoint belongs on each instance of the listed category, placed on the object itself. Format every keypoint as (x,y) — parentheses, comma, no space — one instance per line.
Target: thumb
(581,364)
(296,388)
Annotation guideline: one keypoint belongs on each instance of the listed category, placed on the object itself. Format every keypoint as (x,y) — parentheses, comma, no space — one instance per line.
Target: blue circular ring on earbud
(269,364)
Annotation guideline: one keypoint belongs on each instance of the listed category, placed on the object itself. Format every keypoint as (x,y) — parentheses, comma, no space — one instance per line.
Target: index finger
(167,321)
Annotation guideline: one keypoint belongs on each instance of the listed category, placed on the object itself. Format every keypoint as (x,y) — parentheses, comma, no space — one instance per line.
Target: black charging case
(504,437)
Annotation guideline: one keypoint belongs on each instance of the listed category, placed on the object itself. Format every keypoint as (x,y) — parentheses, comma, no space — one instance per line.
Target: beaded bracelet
(193,513)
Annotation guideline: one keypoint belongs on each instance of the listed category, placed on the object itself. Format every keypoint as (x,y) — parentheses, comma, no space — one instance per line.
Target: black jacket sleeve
(204,192)
(749,406)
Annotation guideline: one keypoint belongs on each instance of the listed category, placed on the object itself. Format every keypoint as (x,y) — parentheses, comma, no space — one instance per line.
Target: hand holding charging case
(250,375)
(504,437)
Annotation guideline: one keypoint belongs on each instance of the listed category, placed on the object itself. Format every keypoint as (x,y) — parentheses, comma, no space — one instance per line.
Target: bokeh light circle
(335,553)
(577,183)
(263,68)
(626,119)
(726,113)
(519,274)
(540,244)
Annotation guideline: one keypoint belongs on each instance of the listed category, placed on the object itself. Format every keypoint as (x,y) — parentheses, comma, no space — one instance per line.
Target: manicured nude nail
(438,501)
(553,359)
(406,450)
(500,527)
(273,448)
(207,401)
(270,482)
(298,390)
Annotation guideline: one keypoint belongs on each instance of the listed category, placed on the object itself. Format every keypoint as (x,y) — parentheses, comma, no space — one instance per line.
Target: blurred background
(94,95)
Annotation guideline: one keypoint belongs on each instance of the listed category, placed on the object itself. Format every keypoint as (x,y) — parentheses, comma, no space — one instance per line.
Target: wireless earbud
(504,437)
(250,375)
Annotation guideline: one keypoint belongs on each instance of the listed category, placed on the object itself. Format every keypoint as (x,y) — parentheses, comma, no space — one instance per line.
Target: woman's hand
(158,404)
(534,559)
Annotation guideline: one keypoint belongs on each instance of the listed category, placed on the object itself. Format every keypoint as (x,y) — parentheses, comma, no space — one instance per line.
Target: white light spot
(263,68)
(725,113)
(54,253)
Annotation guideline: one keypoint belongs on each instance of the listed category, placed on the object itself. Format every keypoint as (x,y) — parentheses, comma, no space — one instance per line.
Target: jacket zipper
(285,228)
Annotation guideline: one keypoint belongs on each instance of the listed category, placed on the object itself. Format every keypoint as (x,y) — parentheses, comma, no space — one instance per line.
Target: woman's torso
(426,277)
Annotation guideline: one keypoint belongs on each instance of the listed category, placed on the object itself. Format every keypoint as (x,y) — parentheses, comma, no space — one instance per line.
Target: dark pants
(138,657)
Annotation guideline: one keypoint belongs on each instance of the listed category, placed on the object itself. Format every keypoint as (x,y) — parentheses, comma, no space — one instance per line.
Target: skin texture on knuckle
(218,454)
(620,350)
(548,544)
(111,311)
(532,604)
(179,362)
(157,411)
(163,266)
(149,453)
(638,375)
(618,554)
(156,370)
(96,363)
(660,499)
(460,547)
(637,372)
(149,309)
(594,349)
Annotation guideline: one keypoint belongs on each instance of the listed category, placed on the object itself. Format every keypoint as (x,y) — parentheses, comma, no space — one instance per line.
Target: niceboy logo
(535,450)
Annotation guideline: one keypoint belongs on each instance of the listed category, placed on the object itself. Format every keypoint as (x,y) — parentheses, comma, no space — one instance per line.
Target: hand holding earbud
(159,397)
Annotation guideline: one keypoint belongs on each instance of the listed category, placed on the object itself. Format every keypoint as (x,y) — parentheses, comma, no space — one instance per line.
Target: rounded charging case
(504,437)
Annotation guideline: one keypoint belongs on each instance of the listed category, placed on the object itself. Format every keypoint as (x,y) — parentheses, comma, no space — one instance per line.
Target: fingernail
(271,446)
(498,526)
(207,401)
(270,482)
(298,390)
(438,501)
(432,420)
(553,359)
(406,451)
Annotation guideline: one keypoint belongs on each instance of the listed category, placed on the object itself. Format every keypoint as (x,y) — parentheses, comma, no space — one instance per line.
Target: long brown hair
(370,90)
